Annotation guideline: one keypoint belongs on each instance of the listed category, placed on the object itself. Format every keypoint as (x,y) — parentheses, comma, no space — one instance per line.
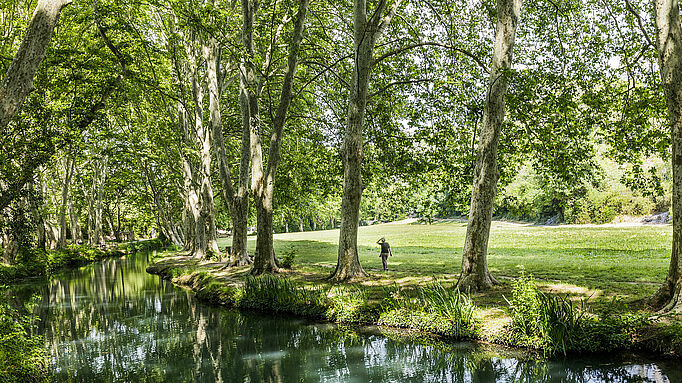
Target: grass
(599,262)
(588,283)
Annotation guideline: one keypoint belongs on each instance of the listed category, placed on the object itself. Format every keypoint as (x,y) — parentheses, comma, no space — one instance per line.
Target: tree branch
(428,43)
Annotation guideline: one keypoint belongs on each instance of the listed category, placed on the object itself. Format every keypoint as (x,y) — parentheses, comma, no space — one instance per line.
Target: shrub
(22,355)
(434,309)
(287,260)
(543,321)
(553,324)
(270,293)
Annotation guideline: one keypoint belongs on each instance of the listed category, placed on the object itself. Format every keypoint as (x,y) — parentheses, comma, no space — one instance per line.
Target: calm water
(113,322)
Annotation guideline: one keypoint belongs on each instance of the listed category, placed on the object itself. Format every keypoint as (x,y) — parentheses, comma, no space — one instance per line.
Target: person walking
(385,252)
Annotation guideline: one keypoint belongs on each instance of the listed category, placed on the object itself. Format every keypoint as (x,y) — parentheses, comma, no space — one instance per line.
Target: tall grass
(271,293)
(549,322)
(434,308)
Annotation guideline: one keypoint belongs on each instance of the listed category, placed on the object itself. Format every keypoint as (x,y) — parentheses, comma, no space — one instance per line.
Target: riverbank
(530,318)
(40,263)
(22,351)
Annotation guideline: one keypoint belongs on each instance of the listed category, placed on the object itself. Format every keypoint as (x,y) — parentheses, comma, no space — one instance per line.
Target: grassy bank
(586,288)
(37,263)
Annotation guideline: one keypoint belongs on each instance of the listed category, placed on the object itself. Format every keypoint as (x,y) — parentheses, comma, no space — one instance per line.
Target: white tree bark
(237,201)
(69,165)
(669,47)
(475,274)
(18,81)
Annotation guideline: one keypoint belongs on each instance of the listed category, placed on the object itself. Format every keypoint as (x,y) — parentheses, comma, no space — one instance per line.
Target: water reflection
(111,321)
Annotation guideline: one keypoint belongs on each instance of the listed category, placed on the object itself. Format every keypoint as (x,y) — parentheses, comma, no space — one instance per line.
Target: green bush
(543,321)
(22,355)
(147,245)
(350,304)
(553,324)
(434,309)
(287,260)
(281,295)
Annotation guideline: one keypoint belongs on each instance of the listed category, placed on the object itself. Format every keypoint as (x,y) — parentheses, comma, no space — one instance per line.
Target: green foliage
(281,295)
(287,259)
(148,245)
(616,191)
(543,321)
(22,355)
(553,324)
(350,304)
(435,309)
(33,262)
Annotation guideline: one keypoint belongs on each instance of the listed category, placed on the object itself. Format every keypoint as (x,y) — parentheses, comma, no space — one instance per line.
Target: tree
(475,274)
(18,80)
(18,83)
(264,189)
(669,47)
(366,32)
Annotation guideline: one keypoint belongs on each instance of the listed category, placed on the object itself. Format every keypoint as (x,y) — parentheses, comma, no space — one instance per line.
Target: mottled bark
(365,34)
(669,47)
(264,190)
(475,274)
(18,80)
(237,201)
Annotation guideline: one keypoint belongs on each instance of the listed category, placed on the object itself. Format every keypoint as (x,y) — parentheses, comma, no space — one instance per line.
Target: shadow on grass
(629,274)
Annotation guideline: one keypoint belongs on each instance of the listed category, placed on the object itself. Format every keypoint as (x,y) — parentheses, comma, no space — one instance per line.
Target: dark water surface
(113,322)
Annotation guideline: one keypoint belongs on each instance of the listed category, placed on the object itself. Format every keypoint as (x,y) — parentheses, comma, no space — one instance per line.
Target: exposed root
(347,274)
(668,298)
(473,282)
(264,269)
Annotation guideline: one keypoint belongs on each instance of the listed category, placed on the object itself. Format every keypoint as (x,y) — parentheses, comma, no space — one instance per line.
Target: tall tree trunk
(100,179)
(209,235)
(264,189)
(237,202)
(475,274)
(669,46)
(69,163)
(37,219)
(76,233)
(165,223)
(365,34)
(18,80)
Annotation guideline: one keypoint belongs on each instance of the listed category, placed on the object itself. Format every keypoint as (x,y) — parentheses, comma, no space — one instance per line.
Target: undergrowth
(435,309)
(552,323)
(22,355)
(555,324)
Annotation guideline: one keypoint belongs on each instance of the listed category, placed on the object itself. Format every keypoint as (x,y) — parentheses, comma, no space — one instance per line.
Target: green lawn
(586,261)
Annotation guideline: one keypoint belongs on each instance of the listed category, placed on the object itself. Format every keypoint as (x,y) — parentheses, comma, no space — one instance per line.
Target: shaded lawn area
(599,262)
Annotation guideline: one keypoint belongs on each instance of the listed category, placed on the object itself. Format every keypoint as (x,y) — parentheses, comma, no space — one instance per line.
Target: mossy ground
(607,266)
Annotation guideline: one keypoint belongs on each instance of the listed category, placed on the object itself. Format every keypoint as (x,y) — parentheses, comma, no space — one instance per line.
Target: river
(112,322)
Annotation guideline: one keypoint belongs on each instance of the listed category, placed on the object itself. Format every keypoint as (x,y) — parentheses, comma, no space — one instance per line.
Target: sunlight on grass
(583,261)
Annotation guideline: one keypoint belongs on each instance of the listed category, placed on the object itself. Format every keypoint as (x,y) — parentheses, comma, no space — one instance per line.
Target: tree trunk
(237,202)
(76,233)
(475,274)
(669,46)
(210,234)
(18,80)
(264,189)
(69,163)
(365,34)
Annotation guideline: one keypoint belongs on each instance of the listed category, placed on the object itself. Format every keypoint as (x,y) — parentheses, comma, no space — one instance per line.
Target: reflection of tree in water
(112,321)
